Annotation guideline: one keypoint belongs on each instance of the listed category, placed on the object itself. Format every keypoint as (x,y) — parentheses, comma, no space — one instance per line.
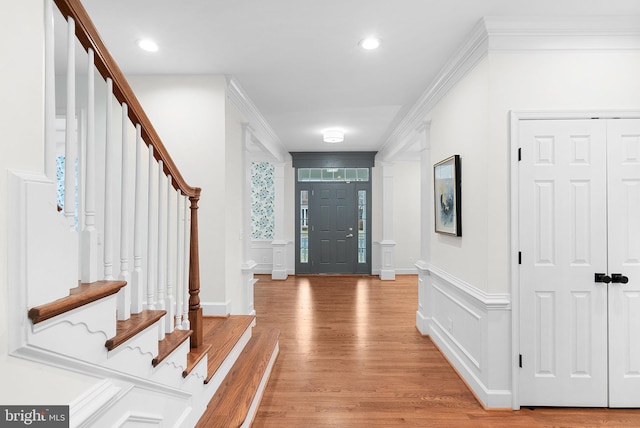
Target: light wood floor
(350,356)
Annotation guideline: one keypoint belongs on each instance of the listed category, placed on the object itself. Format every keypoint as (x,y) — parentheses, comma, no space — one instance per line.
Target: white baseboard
(216,309)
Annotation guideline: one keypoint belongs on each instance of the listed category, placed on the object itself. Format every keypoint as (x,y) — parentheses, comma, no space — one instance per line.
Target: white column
(426,228)
(124,295)
(137,280)
(279,244)
(387,245)
(248,264)
(89,236)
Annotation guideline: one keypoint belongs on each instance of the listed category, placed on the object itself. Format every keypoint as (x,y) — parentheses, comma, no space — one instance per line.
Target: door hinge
(520,360)
(519,257)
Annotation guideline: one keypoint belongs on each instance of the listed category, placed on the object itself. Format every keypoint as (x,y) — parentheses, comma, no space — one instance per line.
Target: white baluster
(151,235)
(169,261)
(70,149)
(185,292)
(50,94)
(108,185)
(124,295)
(179,261)
(89,245)
(80,182)
(137,292)
(162,247)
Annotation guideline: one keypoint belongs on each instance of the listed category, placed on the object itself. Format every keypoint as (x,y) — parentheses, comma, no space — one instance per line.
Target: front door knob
(619,278)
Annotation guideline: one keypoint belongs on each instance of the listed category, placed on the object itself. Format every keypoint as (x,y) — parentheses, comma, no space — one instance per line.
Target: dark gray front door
(333,239)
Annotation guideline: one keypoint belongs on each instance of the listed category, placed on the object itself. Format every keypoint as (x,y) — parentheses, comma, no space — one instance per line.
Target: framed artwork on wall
(447,198)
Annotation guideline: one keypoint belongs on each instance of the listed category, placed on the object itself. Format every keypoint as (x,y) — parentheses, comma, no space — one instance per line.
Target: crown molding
(257,126)
(474,49)
(585,33)
(523,34)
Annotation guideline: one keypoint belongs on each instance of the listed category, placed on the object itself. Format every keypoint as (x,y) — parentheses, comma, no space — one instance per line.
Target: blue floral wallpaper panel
(262,197)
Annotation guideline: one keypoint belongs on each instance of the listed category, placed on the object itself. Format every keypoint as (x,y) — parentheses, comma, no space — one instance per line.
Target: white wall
(406,215)
(459,125)
(596,81)
(188,113)
(22,89)
(234,209)
(464,289)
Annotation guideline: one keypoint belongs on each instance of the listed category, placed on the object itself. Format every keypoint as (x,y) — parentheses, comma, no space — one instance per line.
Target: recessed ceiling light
(333,136)
(148,45)
(370,43)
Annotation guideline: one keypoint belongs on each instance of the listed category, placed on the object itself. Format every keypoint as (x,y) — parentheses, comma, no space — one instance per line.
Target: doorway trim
(515,117)
(334,160)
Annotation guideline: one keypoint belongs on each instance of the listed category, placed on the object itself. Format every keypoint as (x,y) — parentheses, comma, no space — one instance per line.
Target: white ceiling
(299,60)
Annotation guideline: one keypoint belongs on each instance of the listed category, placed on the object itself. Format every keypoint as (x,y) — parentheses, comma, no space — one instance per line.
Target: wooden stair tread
(232,400)
(170,343)
(79,296)
(194,356)
(126,329)
(225,333)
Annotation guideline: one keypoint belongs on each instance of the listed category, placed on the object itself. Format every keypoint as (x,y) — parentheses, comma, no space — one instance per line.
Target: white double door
(579,216)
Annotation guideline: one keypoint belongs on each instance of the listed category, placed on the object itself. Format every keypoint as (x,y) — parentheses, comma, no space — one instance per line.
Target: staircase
(139,330)
(225,376)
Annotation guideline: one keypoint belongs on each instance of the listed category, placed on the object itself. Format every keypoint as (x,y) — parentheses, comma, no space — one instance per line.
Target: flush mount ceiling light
(370,43)
(333,136)
(148,45)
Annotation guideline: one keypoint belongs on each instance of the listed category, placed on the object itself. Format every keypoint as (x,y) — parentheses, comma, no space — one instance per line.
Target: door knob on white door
(619,278)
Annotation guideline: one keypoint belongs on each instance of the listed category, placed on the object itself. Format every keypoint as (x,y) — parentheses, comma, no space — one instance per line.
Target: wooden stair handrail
(88,36)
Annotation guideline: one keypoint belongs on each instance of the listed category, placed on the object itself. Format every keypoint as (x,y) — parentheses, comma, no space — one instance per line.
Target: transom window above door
(333,174)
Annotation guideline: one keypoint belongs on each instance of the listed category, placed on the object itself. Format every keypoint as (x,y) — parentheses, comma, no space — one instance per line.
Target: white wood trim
(261,132)
(108,186)
(474,49)
(71,141)
(124,295)
(91,402)
(50,92)
(584,33)
(517,34)
(55,359)
(216,309)
(500,301)
(471,327)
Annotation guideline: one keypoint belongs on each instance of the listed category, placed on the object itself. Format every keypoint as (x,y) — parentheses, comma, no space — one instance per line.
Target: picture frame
(447,196)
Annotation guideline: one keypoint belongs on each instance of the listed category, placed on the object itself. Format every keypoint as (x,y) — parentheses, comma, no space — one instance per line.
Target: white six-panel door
(623,149)
(579,214)
(563,240)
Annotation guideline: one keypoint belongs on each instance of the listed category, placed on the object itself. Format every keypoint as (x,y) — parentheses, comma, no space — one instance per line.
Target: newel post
(195,311)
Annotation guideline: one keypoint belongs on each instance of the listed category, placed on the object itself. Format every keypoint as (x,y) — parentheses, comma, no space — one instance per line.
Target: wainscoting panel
(471,328)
